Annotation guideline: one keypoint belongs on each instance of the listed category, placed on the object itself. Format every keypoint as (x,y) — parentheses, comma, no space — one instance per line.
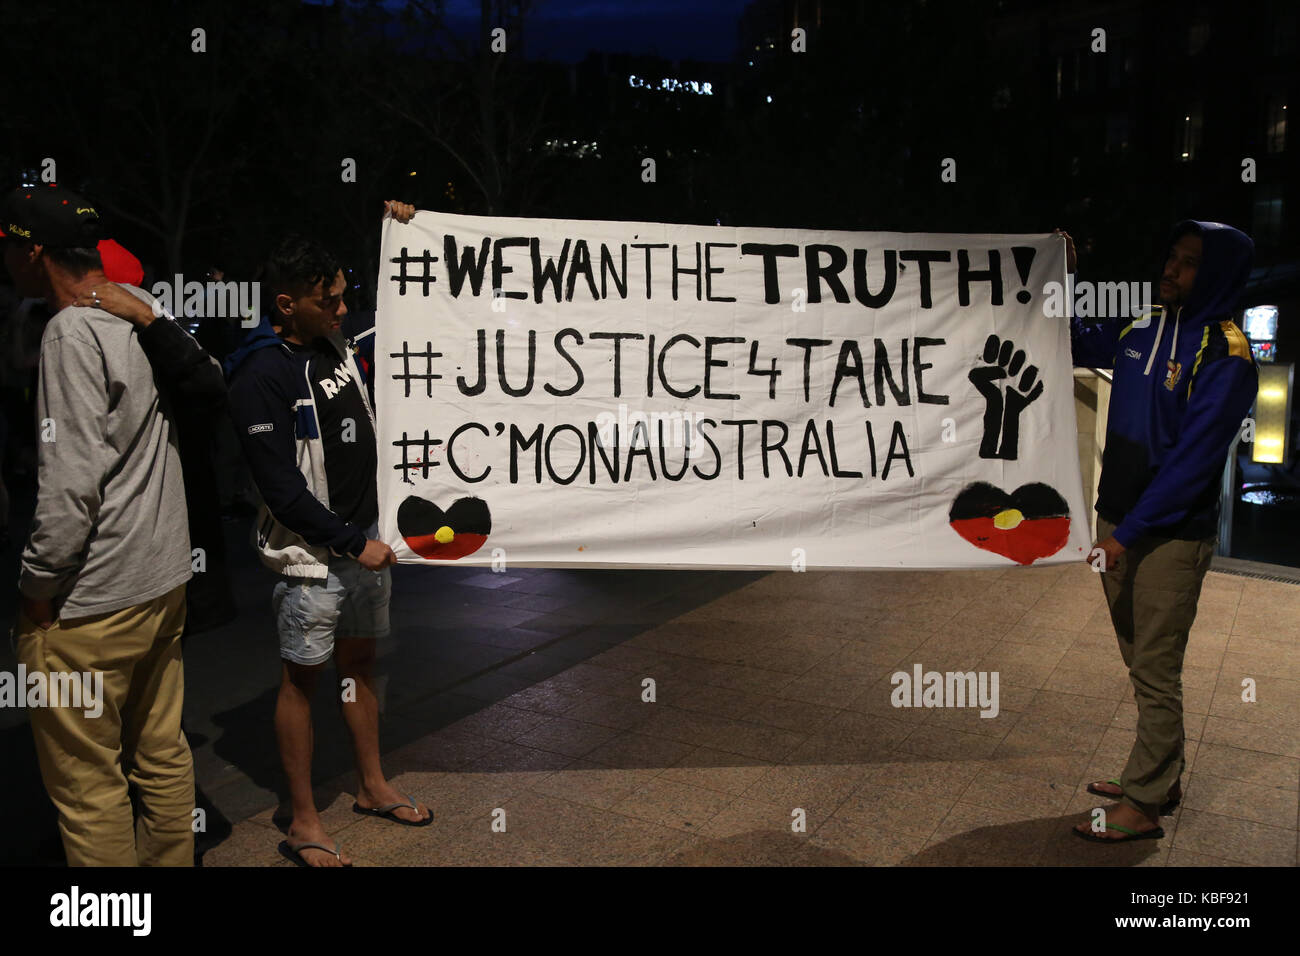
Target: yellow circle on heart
(1006,520)
(444,535)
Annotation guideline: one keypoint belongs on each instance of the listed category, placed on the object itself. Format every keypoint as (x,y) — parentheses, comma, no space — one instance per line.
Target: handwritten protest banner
(606,394)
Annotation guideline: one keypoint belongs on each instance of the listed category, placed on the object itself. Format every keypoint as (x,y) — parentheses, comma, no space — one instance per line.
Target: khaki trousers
(1152,593)
(87,761)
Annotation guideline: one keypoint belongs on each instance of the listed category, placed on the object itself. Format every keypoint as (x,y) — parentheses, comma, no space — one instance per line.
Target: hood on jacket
(1226,258)
(260,337)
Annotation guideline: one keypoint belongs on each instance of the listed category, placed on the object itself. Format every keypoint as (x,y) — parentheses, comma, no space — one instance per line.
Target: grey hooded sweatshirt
(110,528)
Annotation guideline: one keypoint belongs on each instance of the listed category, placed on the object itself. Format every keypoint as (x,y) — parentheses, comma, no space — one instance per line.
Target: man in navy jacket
(299,401)
(1184,382)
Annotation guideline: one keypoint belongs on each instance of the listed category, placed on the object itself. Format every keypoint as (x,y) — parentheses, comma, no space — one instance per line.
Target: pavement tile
(946,744)
(986,836)
(549,700)
(1252,736)
(1281,695)
(1060,768)
(880,732)
(498,722)
(593,784)
(1259,661)
(793,715)
(1242,841)
(754,740)
(716,770)
(1242,800)
(994,788)
(940,779)
(869,845)
(825,688)
(633,750)
(574,738)
(621,713)
(717,701)
(443,750)
(247,845)
(970,720)
(896,811)
(744,817)
(1269,770)
(1179,857)
(1072,707)
(755,680)
(1035,734)
(517,767)
(799,785)
(671,804)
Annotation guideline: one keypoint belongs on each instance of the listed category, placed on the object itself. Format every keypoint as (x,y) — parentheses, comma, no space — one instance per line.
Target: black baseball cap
(49,216)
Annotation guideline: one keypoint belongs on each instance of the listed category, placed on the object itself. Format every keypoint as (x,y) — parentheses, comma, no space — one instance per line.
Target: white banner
(626,394)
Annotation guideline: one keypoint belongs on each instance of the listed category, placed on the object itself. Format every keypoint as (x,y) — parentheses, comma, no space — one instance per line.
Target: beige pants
(87,761)
(1152,593)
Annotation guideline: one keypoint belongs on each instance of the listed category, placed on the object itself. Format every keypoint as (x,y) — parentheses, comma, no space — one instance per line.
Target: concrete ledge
(1256,569)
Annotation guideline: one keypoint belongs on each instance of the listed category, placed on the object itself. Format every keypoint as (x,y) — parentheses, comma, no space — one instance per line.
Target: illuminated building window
(1189,138)
(1275,132)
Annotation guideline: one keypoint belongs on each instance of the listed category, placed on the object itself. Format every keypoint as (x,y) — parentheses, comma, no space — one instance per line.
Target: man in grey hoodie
(104,571)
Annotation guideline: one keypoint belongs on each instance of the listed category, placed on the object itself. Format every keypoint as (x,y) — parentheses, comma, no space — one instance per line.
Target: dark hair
(294,267)
(74,260)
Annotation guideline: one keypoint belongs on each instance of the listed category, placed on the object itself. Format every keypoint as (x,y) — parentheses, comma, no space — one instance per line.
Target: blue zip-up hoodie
(1184,381)
(274,411)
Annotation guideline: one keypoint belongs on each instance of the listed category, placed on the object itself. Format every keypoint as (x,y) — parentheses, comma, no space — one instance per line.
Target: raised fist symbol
(1004,403)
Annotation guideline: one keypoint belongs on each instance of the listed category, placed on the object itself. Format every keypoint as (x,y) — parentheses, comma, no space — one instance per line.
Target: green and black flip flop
(1168,807)
(1157,834)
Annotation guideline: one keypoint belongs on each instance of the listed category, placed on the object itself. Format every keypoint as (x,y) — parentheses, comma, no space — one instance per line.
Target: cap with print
(49,216)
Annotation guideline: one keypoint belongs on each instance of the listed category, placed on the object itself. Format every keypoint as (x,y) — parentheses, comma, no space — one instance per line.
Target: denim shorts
(309,612)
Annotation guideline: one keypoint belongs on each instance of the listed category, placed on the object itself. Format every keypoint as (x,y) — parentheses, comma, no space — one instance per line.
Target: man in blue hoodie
(299,401)
(1184,381)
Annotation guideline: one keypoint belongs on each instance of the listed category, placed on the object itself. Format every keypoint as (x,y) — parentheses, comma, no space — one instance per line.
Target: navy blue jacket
(273,409)
(1184,382)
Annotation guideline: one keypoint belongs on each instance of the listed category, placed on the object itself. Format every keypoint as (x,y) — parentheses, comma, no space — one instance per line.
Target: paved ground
(518,696)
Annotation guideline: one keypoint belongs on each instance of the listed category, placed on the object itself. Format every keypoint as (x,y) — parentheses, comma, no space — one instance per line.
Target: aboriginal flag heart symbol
(444,535)
(1030,523)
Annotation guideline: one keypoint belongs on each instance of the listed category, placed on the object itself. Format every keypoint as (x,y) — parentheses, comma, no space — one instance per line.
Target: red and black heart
(444,535)
(1030,523)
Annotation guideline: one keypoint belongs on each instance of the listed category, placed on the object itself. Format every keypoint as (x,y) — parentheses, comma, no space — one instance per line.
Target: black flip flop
(294,853)
(386,812)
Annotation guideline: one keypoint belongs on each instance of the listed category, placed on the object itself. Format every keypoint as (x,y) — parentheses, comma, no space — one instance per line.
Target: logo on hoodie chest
(331,386)
(1175,372)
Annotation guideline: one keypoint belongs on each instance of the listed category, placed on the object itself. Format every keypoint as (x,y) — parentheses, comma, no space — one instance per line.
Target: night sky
(566,30)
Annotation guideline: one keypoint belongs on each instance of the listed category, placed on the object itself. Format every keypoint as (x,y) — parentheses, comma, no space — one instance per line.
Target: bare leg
(355,658)
(293,732)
